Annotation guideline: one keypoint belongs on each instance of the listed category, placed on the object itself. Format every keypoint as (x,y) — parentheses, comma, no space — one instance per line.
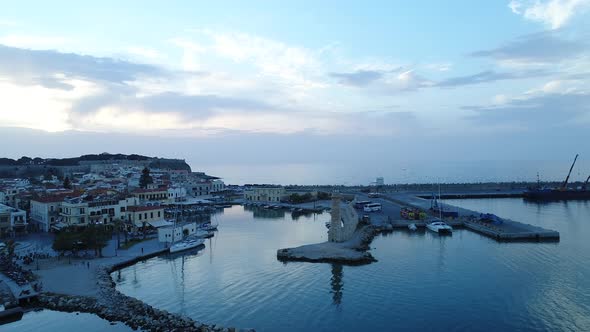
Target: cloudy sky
(226,82)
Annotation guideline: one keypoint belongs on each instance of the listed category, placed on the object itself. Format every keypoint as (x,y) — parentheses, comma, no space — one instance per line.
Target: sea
(421,282)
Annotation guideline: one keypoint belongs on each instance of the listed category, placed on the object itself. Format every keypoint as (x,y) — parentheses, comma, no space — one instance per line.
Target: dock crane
(564,186)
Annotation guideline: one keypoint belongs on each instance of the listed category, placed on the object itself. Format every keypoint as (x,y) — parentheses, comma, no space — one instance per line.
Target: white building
(12,220)
(176,194)
(217,186)
(171,234)
(264,193)
(45,211)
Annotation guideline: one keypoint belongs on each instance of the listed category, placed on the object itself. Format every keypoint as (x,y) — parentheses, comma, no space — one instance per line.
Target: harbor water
(463,282)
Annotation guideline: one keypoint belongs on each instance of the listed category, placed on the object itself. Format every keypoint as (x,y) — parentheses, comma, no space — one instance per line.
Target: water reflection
(337,284)
(260,212)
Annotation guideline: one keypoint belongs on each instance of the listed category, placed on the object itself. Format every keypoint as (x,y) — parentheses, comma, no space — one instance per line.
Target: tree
(145,178)
(67,184)
(10,248)
(96,237)
(65,241)
(118,225)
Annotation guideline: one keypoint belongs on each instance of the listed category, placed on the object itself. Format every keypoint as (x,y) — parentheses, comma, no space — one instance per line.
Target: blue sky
(506,77)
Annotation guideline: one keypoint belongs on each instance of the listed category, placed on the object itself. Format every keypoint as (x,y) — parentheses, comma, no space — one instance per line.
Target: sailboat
(439,226)
(186,243)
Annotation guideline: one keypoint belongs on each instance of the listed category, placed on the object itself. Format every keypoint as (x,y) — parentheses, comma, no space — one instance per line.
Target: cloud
(552,13)
(34,41)
(543,47)
(358,78)
(490,76)
(50,68)
(542,111)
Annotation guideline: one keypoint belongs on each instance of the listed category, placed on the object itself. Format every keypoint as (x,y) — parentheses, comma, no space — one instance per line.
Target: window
(82,220)
(145,215)
(151,215)
(158,214)
(122,209)
(140,216)
(81,210)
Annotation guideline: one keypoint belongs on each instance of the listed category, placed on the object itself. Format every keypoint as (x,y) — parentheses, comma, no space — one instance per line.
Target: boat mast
(564,186)
(441,205)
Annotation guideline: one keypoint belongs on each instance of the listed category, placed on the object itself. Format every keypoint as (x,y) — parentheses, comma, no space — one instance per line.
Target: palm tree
(118,223)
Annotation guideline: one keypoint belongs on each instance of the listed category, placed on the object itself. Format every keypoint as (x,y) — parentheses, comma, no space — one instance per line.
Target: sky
(298,82)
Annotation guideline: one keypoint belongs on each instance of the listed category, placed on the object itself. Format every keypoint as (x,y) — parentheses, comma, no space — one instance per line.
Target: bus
(372,207)
(361,204)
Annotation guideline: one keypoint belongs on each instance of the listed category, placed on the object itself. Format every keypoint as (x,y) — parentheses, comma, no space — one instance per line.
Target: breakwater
(112,305)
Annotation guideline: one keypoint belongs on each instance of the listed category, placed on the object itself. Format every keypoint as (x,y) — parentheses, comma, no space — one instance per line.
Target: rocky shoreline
(352,252)
(112,305)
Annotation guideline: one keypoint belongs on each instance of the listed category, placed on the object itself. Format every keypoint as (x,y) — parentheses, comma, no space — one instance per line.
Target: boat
(11,315)
(440,227)
(186,244)
(563,193)
(201,233)
(412,227)
(437,207)
(208,226)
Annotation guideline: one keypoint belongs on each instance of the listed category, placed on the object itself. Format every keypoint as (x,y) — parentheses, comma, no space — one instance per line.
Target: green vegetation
(296,198)
(92,237)
(67,184)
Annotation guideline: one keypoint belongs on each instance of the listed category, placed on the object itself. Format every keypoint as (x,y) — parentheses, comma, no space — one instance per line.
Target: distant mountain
(26,166)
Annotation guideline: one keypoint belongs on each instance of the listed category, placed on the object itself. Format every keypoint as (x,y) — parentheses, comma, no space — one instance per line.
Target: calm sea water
(47,320)
(422,281)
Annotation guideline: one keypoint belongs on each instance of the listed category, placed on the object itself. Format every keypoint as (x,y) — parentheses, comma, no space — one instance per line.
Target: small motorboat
(186,244)
(412,227)
(440,227)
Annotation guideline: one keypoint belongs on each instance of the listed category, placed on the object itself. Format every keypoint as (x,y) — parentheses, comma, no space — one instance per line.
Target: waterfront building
(176,194)
(45,211)
(12,220)
(217,186)
(152,195)
(171,234)
(142,215)
(264,193)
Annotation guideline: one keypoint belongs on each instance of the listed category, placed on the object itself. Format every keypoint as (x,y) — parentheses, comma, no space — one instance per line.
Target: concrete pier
(508,230)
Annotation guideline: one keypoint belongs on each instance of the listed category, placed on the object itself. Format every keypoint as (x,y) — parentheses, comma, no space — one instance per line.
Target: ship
(563,193)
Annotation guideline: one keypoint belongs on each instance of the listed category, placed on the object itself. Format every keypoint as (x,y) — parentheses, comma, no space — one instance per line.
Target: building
(217,186)
(45,211)
(74,212)
(145,215)
(264,193)
(176,194)
(379,181)
(12,220)
(152,195)
(170,234)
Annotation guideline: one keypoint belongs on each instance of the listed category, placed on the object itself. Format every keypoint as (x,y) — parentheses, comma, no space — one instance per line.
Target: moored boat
(440,227)
(186,244)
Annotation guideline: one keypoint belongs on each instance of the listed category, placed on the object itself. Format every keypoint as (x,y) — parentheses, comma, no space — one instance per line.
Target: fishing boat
(440,227)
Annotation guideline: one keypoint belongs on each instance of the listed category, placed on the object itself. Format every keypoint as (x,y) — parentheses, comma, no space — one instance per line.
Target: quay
(508,230)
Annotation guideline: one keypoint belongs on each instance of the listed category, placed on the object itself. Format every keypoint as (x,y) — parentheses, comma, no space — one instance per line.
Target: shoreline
(108,303)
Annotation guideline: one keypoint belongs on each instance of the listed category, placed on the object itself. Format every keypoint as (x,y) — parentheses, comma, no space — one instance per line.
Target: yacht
(186,244)
(440,227)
